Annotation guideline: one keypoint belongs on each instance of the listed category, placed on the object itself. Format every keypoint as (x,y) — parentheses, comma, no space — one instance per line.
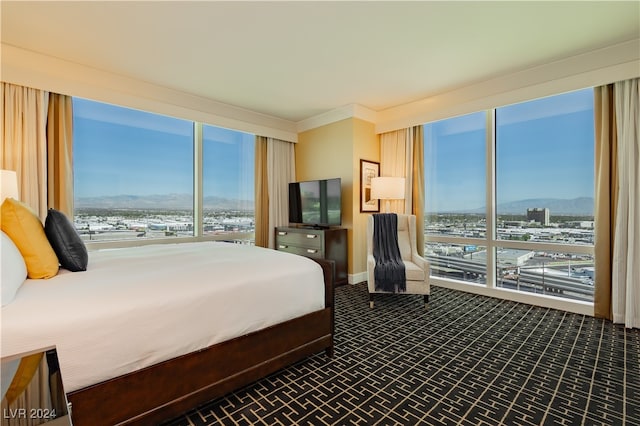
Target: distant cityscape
(99,224)
(559,273)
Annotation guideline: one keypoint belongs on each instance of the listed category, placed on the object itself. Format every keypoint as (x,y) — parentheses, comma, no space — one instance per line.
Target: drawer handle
(282,233)
(282,246)
(312,251)
(312,236)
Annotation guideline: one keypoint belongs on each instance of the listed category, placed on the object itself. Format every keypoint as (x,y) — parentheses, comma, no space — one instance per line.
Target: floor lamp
(387,188)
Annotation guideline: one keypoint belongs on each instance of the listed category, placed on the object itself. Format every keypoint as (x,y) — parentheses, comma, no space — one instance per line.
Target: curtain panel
(402,155)
(60,153)
(394,148)
(281,171)
(275,168)
(24,142)
(261,193)
(605,191)
(417,184)
(625,278)
(37,143)
(617,215)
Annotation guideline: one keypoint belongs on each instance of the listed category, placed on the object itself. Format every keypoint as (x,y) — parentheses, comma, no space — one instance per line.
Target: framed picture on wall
(368,170)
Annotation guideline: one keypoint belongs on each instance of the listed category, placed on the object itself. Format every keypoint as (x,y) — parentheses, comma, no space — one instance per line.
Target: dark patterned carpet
(466,360)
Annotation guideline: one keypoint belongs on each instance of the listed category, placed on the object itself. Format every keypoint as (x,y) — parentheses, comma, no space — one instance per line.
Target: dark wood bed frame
(166,390)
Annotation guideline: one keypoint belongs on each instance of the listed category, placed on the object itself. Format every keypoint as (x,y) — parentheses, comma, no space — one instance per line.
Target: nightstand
(38,397)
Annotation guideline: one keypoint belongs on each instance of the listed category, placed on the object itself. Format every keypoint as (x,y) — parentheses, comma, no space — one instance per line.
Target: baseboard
(545,301)
(357,278)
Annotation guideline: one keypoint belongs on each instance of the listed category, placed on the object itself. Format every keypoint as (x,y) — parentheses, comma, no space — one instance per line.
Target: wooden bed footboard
(165,390)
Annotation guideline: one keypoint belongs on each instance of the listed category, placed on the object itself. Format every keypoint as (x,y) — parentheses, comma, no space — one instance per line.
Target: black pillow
(66,242)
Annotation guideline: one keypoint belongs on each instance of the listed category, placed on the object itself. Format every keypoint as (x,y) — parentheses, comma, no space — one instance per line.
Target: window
(544,169)
(539,232)
(464,262)
(134,176)
(228,181)
(455,170)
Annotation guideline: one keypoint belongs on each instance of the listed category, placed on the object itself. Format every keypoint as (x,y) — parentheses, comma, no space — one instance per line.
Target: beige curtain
(625,277)
(274,169)
(37,142)
(60,153)
(606,197)
(261,193)
(417,183)
(24,149)
(402,155)
(617,212)
(394,148)
(281,171)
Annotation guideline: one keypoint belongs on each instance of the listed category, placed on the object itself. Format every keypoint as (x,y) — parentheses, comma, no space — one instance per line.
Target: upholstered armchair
(416,267)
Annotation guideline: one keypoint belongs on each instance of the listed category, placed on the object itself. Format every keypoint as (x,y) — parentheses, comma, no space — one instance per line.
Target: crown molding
(32,69)
(590,69)
(337,114)
(602,66)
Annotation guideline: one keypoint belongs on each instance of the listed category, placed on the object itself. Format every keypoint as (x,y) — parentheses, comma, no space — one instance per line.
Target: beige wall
(366,146)
(335,150)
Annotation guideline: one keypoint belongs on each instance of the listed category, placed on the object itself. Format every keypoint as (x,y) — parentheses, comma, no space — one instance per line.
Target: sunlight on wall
(335,150)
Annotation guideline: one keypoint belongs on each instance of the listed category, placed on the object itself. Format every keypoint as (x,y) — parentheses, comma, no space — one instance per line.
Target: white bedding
(135,307)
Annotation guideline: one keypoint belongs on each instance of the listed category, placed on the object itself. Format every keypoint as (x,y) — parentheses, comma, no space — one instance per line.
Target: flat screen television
(315,203)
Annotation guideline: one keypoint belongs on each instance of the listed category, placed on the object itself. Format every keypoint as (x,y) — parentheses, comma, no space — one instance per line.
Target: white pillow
(13,269)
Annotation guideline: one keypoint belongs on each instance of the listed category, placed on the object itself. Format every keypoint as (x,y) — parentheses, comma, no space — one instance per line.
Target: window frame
(198,196)
(491,243)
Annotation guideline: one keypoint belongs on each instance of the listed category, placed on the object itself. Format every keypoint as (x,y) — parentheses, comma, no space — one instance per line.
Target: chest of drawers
(330,244)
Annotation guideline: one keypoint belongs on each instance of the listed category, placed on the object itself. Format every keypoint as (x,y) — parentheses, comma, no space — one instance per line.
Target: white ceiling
(295,60)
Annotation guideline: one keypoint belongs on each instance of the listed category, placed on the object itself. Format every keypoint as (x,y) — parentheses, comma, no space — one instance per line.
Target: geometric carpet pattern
(466,360)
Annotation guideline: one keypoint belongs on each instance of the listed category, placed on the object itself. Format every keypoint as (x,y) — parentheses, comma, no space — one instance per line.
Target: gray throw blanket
(389,271)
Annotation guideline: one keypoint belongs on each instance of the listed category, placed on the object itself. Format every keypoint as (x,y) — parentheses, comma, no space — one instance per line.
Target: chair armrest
(422,263)
(417,259)
(371,265)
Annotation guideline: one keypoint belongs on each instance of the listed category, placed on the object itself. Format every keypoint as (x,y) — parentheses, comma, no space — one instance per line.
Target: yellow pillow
(26,231)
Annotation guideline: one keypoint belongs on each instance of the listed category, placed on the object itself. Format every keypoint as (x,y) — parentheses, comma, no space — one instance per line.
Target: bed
(147,333)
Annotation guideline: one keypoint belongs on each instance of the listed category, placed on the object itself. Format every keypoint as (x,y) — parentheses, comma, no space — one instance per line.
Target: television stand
(324,243)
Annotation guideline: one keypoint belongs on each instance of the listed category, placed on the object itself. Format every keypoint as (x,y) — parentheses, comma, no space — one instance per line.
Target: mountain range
(582,206)
(159,201)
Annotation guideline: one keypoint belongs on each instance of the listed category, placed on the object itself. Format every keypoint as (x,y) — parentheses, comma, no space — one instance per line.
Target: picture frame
(368,170)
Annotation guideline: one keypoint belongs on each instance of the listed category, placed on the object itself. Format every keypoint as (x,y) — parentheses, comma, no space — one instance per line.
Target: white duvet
(135,307)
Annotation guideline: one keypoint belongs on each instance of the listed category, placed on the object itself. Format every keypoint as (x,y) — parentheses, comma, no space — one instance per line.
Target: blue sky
(124,151)
(544,149)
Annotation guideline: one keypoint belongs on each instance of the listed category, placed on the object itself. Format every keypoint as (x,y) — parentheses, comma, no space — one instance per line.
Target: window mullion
(491,231)
(197,180)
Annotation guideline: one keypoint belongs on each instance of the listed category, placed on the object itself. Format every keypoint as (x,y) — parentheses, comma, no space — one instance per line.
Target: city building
(506,257)
(539,215)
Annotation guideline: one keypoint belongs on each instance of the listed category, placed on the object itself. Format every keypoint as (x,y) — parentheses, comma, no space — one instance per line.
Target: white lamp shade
(8,185)
(387,188)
